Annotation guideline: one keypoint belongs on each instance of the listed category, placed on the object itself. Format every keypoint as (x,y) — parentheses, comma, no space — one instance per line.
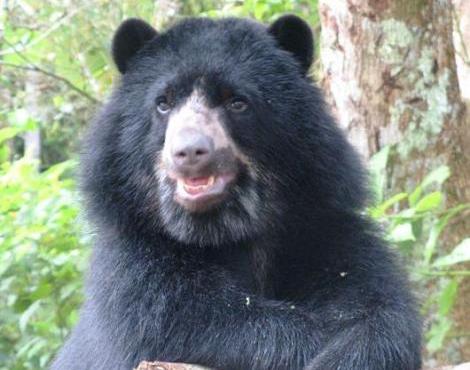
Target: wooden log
(145,365)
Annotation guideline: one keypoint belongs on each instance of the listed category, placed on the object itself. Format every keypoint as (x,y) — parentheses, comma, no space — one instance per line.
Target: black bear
(229,218)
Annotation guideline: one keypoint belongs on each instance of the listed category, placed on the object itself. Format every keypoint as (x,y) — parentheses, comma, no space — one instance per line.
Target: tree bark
(461,15)
(32,138)
(389,71)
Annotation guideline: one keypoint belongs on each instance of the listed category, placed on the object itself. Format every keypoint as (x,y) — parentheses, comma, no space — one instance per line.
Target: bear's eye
(237,105)
(163,106)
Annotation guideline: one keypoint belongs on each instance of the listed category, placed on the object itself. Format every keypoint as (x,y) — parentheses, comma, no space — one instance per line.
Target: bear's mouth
(199,193)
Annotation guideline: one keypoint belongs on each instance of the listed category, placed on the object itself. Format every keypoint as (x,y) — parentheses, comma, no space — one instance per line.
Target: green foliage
(268,10)
(66,48)
(414,222)
(41,261)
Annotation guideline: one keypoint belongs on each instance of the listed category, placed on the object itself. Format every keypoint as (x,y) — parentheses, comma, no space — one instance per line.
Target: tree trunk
(461,15)
(390,74)
(32,138)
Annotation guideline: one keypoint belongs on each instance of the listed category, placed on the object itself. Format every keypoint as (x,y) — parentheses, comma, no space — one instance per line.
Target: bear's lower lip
(198,194)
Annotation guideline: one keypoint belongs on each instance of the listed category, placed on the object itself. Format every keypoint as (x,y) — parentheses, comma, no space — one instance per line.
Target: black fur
(129,38)
(295,36)
(286,274)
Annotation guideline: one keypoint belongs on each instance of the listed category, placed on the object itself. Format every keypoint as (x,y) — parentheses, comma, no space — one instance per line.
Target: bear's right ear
(294,35)
(129,38)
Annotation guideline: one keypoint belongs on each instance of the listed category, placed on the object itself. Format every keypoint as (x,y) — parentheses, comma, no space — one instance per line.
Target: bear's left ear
(294,35)
(129,38)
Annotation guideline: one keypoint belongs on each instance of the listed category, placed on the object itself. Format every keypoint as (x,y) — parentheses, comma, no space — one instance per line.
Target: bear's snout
(191,148)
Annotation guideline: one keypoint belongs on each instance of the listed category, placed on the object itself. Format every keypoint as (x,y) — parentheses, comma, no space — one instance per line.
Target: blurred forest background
(397,74)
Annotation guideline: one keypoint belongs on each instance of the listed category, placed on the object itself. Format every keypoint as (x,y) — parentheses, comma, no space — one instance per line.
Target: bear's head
(215,132)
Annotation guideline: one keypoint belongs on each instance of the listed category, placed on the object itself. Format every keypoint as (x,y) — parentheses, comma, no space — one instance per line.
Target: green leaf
(26,315)
(446,299)
(461,253)
(36,348)
(415,195)
(44,290)
(431,243)
(436,230)
(7,133)
(21,119)
(55,171)
(429,202)
(437,334)
(439,176)
(401,233)
(380,210)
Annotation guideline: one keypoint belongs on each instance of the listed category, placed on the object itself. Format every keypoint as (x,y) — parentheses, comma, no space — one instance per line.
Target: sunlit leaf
(8,133)
(429,202)
(438,176)
(437,334)
(461,253)
(437,228)
(380,210)
(447,297)
(401,233)
(24,318)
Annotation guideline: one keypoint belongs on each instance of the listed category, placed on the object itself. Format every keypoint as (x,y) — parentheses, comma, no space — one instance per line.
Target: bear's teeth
(199,181)
(194,189)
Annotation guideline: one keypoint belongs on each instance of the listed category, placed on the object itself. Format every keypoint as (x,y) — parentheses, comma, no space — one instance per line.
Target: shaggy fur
(286,273)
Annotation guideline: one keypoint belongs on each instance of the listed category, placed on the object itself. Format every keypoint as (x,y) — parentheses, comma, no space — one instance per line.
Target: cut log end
(145,365)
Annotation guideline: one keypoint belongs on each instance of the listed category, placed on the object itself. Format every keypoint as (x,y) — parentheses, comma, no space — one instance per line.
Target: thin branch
(56,25)
(458,335)
(34,67)
(447,273)
(67,82)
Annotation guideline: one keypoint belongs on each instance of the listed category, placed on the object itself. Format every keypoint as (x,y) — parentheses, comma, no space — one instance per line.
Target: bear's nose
(191,147)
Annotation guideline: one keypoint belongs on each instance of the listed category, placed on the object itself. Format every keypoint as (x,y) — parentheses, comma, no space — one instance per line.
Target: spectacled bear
(228,209)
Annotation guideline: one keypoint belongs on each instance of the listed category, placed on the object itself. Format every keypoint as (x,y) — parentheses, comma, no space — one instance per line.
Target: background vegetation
(54,71)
